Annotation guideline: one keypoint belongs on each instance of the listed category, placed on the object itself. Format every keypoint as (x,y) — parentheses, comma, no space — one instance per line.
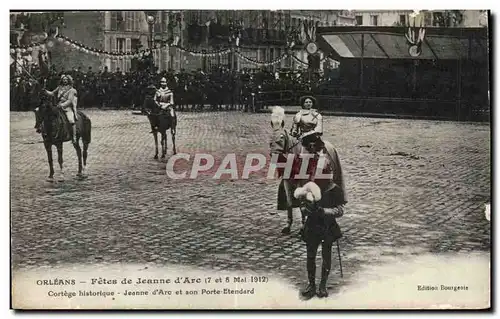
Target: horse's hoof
(156,157)
(286,230)
(50,179)
(163,157)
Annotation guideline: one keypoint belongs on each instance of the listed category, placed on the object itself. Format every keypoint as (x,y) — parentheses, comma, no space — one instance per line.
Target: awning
(384,44)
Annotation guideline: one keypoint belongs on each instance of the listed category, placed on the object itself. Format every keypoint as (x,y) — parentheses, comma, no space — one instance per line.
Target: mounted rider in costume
(164,98)
(67,100)
(307,120)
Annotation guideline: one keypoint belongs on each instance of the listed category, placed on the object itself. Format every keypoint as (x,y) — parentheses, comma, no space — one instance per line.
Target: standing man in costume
(67,99)
(322,201)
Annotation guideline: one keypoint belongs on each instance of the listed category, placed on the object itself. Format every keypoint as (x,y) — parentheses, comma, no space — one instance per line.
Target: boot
(310,290)
(322,292)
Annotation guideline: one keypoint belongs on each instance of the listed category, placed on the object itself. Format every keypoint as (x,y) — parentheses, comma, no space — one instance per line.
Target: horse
(160,121)
(52,123)
(331,182)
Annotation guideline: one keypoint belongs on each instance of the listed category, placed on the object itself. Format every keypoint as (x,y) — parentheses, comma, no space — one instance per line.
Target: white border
(185,4)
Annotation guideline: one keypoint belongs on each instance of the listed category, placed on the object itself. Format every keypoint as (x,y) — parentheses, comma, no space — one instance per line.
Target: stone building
(262,36)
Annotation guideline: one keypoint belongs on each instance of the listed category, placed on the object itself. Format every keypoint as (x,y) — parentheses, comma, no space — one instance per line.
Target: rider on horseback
(67,100)
(165,97)
(307,120)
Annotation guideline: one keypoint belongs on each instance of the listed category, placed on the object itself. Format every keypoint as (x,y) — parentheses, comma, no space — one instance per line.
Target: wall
(475,18)
(84,27)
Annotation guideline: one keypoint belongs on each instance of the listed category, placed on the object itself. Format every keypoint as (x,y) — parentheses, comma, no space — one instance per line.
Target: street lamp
(151,20)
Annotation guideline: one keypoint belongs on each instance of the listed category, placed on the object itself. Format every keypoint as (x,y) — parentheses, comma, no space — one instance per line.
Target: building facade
(262,36)
(321,18)
(435,18)
(382,17)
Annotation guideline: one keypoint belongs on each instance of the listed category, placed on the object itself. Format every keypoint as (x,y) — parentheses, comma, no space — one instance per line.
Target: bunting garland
(27,48)
(299,60)
(205,53)
(275,61)
(129,55)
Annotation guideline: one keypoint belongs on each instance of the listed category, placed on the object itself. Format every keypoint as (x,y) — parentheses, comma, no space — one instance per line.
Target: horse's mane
(277,116)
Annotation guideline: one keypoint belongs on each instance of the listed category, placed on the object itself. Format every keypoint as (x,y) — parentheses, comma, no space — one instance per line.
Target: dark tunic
(320,226)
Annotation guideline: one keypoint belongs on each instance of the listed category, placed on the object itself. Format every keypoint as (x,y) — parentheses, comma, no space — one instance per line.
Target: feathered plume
(277,117)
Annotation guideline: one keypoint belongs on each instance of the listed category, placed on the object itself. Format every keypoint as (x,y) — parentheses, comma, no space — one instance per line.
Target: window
(118,20)
(129,21)
(164,19)
(280,21)
(438,19)
(128,48)
(374,20)
(114,20)
(287,19)
(247,21)
(135,43)
(120,44)
(402,19)
(359,20)
(427,18)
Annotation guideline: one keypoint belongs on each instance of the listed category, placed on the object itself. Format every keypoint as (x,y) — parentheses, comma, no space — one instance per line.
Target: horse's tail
(87,136)
(86,128)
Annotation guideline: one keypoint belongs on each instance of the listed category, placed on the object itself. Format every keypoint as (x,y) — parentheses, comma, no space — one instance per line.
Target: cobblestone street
(414,187)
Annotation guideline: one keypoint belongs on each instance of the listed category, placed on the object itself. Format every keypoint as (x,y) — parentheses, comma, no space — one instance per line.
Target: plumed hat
(309,192)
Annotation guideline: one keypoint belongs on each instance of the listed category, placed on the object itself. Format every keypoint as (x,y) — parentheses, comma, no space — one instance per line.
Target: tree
(34,26)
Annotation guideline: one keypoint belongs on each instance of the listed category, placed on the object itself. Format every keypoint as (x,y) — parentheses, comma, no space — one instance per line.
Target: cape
(333,190)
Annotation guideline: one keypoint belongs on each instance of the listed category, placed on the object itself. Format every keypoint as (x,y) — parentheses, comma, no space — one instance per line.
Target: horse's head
(45,106)
(281,142)
(149,101)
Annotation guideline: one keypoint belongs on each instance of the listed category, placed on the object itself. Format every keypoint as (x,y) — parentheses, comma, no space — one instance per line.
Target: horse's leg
(287,229)
(85,152)
(155,135)
(163,144)
(59,147)
(76,145)
(48,148)
(172,131)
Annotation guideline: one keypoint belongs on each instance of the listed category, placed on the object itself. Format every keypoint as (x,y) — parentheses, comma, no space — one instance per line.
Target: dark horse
(326,160)
(160,121)
(52,123)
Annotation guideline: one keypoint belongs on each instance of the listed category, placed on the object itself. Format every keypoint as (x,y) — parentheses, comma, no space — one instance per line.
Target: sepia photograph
(250,159)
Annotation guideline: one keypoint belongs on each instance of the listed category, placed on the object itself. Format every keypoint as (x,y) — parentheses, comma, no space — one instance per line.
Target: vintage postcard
(250,159)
